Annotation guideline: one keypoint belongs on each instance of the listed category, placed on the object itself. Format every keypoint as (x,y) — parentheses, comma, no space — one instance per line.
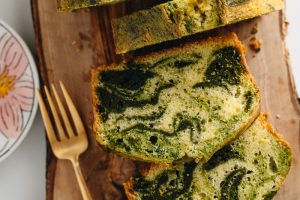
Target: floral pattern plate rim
(18,83)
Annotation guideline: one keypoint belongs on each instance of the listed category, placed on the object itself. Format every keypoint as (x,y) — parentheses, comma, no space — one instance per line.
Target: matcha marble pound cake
(179,104)
(179,18)
(252,167)
(65,5)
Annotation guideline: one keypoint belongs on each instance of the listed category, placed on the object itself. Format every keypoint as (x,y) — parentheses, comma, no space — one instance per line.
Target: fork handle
(82,184)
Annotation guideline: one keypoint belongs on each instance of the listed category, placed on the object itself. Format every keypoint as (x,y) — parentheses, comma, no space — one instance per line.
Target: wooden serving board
(68,45)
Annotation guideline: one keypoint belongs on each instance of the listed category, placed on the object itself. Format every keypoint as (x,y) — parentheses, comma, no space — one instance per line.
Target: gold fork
(65,145)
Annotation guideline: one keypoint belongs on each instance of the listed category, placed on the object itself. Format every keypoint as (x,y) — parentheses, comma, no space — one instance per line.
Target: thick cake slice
(65,5)
(179,18)
(252,167)
(178,104)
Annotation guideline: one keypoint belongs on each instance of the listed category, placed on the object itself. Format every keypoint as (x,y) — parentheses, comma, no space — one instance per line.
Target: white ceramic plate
(18,83)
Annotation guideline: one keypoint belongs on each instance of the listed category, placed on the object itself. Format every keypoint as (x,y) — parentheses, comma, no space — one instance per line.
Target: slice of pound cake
(179,18)
(178,104)
(65,5)
(252,167)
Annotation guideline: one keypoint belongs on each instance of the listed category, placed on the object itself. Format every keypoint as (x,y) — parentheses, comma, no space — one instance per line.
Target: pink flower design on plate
(16,87)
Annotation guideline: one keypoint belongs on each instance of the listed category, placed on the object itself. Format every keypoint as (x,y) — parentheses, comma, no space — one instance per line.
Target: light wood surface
(68,45)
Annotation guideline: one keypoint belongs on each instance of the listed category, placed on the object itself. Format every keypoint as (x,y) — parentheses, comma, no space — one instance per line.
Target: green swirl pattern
(251,168)
(177,107)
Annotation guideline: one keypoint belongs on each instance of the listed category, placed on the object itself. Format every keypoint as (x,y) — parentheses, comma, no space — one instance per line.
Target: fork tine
(63,113)
(74,113)
(59,127)
(46,118)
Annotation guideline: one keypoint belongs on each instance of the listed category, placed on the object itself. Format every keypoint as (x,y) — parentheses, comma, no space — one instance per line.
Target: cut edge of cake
(222,39)
(263,120)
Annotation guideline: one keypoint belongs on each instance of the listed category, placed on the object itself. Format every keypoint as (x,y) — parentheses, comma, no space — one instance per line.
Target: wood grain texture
(68,45)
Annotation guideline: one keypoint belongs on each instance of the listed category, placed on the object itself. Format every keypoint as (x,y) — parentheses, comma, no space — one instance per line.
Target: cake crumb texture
(253,166)
(179,104)
(179,18)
